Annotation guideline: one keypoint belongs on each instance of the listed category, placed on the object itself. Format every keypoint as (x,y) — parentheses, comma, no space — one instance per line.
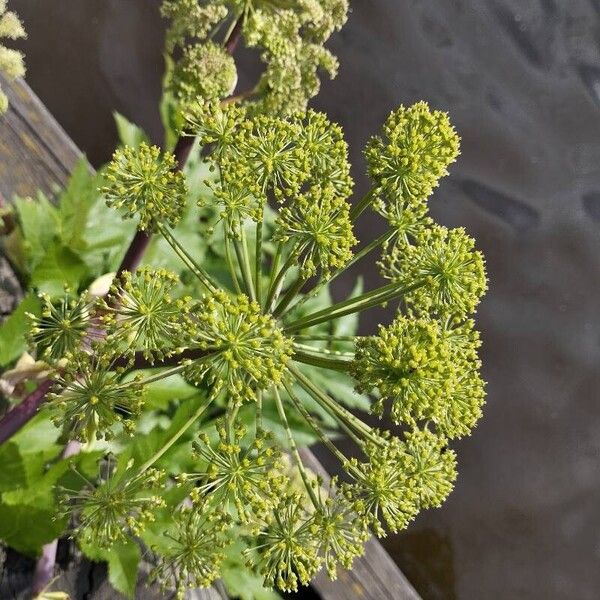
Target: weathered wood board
(36,153)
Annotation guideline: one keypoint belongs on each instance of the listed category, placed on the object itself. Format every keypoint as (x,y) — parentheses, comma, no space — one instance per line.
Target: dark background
(521,79)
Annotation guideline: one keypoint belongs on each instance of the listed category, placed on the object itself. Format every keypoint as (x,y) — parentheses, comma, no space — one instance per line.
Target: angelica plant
(232,306)
(251,340)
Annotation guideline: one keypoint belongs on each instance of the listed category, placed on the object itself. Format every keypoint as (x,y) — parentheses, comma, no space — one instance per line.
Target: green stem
(290,294)
(197,270)
(274,268)
(229,259)
(164,374)
(295,452)
(258,261)
(315,426)
(359,303)
(259,410)
(241,250)
(382,239)
(344,415)
(175,437)
(275,288)
(362,205)
(311,356)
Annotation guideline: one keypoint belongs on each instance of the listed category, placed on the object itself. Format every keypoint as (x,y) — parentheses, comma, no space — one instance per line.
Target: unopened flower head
(244,476)
(447,273)
(142,314)
(205,70)
(90,399)
(195,553)
(287,549)
(116,509)
(61,326)
(246,349)
(142,182)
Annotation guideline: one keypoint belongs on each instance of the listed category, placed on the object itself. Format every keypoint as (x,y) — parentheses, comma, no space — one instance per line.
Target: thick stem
(44,568)
(18,416)
(133,257)
(363,204)
(234,36)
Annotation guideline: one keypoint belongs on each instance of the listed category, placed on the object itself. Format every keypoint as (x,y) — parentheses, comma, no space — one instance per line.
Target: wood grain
(35,153)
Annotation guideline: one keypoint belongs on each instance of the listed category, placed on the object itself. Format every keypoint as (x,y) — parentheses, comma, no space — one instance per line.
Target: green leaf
(239,580)
(59,267)
(123,561)
(130,134)
(12,473)
(13,331)
(75,204)
(39,222)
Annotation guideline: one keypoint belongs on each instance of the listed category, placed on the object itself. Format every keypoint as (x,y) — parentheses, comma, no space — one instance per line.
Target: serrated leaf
(130,134)
(14,330)
(59,267)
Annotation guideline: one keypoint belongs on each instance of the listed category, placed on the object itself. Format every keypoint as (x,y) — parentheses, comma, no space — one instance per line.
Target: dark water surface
(521,79)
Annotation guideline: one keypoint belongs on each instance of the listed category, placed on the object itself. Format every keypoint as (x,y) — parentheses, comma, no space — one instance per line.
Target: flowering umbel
(258,344)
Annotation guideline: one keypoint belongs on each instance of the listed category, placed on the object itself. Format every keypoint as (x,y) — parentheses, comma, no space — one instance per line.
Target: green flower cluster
(11,61)
(289,36)
(115,508)
(254,343)
(144,183)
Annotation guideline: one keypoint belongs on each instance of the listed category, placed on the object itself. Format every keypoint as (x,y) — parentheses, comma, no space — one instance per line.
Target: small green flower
(417,147)
(248,478)
(117,509)
(318,223)
(432,467)
(342,533)
(141,314)
(143,182)
(61,326)
(196,550)
(410,364)
(381,488)
(448,272)
(205,70)
(287,550)
(246,349)
(90,399)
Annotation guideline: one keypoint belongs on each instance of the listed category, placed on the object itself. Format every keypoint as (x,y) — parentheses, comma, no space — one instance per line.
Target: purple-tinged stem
(15,418)
(44,569)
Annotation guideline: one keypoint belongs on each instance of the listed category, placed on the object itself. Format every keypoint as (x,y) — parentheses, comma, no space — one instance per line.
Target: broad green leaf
(75,203)
(123,561)
(12,471)
(39,222)
(14,330)
(59,267)
(239,580)
(130,134)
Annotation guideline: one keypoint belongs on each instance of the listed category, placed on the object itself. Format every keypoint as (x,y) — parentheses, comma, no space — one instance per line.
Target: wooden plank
(35,153)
